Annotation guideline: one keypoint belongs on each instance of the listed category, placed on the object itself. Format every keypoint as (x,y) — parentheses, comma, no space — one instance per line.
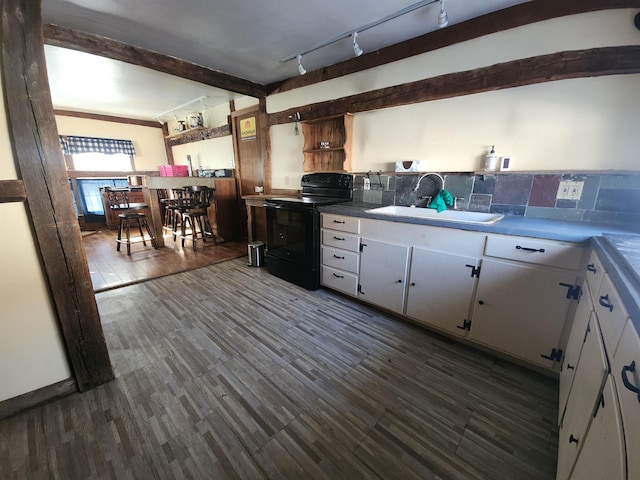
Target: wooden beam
(501,20)
(34,136)
(12,191)
(106,47)
(529,71)
(108,118)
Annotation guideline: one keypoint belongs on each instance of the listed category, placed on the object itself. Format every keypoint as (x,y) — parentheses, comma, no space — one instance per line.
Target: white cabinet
(440,289)
(383,274)
(574,348)
(611,312)
(521,310)
(603,453)
(625,368)
(590,375)
(339,251)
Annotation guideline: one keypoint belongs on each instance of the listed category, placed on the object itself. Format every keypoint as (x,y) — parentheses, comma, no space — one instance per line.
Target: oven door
(292,233)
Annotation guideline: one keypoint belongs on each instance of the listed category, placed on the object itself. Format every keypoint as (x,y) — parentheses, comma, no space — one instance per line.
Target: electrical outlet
(568,190)
(367,184)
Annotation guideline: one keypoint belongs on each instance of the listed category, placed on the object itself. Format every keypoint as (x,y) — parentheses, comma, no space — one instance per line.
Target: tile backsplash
(605,198)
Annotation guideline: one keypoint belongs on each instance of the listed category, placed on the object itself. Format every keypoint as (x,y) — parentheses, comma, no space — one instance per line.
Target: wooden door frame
(44,187)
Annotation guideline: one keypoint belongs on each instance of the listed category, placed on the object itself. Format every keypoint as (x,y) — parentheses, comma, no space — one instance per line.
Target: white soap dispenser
(491,162)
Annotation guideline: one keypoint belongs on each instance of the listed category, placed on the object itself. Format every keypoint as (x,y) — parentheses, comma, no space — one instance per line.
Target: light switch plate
(569,190)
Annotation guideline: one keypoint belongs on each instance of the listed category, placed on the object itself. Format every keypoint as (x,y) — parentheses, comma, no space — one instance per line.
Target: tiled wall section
(606,198)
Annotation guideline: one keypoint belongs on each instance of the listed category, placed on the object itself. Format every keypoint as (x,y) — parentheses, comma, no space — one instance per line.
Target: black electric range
(293,227)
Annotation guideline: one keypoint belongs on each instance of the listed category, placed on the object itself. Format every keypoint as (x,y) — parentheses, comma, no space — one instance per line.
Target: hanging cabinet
(327,144)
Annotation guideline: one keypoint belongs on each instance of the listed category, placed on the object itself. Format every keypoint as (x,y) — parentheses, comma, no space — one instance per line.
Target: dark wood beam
(34,137)
(505,19)
(105,47)
(12,191)
(108,118)
(544,68)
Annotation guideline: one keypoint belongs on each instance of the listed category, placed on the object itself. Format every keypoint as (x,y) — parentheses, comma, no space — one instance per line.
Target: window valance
(72,145)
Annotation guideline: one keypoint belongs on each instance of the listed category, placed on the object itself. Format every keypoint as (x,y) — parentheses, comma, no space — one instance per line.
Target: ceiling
(245,39)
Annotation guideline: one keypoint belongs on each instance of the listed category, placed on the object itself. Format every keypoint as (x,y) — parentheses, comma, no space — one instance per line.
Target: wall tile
(629,218)
(573,214)
(589,192)
(480,203)
(372,196)
(358,196)
(460,186)
(618,200)
(599,216)
(508,209)
(620,182)
(512,189)
(484,184)
(544,190)
(388,197)
(566,204)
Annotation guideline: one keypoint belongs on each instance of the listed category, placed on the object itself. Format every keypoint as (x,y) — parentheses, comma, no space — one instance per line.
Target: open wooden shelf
(338,131)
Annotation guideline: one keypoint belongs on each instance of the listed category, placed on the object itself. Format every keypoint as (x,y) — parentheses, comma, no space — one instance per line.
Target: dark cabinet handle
(592,268)
(604,301)
(570,367)
(338,238)
(339,221)
(630,386)
(541,250)
(573,439)
(338,276)
(338,257)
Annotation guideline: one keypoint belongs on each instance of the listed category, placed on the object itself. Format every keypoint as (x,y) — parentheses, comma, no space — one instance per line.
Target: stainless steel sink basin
(446,215)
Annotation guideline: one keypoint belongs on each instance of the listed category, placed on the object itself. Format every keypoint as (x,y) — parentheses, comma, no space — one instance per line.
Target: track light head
(357,51)
(443,20)
(301,69)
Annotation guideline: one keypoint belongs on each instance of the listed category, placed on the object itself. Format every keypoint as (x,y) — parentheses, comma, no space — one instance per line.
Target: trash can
(256,254)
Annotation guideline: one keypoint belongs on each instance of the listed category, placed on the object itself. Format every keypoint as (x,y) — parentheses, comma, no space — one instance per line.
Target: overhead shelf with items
(327,144)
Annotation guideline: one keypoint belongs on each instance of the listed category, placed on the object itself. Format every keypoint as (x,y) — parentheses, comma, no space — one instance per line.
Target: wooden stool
(129,213)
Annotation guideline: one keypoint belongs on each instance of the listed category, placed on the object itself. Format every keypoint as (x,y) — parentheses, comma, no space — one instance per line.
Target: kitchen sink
(458,216)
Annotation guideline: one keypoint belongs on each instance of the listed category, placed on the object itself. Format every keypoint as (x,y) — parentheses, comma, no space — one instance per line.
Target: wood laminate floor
(228,372)
(112,269)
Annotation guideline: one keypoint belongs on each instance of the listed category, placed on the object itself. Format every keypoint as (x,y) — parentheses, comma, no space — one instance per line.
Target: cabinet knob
(573,439)
(591,267)
(481,302)
(570,367)
(413,284)
(399,281)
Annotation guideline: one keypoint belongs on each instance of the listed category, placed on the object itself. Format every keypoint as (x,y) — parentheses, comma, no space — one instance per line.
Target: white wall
(585,124)
(31,350)
(148,141)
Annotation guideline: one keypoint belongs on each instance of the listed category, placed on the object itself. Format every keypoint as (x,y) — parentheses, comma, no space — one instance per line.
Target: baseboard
(15,405)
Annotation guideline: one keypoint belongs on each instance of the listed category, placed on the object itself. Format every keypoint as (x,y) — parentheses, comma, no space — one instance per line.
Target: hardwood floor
(111,269)
(228,372)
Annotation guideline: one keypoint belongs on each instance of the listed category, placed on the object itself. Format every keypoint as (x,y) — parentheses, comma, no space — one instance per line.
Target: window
(94,161)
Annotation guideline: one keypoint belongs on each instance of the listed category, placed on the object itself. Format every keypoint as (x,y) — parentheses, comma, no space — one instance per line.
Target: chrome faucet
(428,174)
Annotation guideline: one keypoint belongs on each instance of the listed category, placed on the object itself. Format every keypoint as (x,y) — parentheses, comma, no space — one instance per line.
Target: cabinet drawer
(339,280)
(340,259)
(534,250)
(594,273)
(626,372)
(341,240)
(341,223)
(611,313)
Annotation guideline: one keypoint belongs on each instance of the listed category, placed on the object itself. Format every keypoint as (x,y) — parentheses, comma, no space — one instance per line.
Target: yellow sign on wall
(248,129)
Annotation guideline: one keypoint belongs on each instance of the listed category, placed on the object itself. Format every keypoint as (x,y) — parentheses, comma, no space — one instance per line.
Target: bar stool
(130,213)
(195,216)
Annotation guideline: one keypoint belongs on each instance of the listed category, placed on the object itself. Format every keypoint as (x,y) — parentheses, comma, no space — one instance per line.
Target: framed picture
(505,163)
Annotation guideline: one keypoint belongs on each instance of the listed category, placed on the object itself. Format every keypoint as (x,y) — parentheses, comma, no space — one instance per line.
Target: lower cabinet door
(603,453)
(383,272)
(626,370)
(440,289)
(584,396)
(574,347)
(521,310)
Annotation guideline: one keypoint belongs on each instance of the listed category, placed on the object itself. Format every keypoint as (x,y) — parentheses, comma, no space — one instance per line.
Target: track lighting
(443,20)
(301,69)
(357,51)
